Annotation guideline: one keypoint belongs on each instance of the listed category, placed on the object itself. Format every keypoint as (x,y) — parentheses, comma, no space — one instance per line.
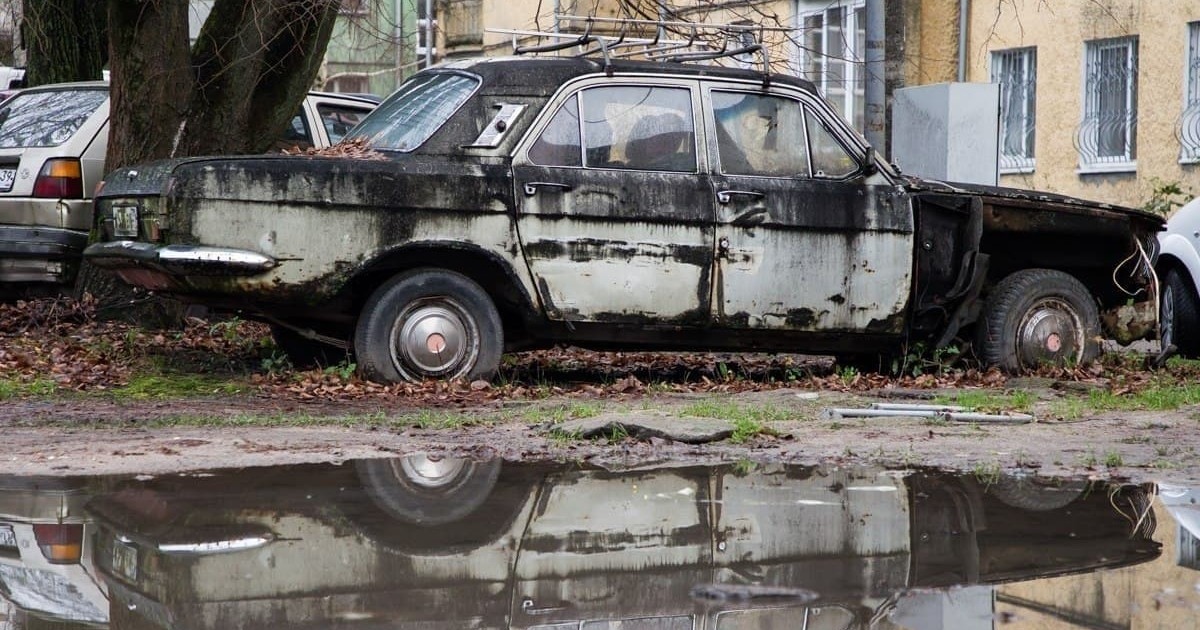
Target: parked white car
(1178,270)
(53,140)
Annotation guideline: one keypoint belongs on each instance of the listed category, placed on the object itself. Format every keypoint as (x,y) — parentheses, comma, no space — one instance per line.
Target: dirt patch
(65,438)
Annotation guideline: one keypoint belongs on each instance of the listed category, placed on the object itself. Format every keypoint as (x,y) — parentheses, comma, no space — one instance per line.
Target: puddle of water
(443,543)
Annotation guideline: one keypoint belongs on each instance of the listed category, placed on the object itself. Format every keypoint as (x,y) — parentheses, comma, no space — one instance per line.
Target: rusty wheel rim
(434,338)
(1051,331)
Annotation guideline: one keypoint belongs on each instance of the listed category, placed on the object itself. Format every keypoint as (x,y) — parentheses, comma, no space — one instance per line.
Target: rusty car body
(527,201)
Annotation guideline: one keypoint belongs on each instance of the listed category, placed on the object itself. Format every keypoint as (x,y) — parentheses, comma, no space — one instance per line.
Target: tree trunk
(64,40)
(233,93)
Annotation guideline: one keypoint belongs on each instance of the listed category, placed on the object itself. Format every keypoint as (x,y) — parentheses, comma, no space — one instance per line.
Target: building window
(833,44)
(1016,72)
(1188,129)
(1107,137)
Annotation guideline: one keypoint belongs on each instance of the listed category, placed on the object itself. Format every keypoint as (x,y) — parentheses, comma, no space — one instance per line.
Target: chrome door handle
(723,196)
(531,188)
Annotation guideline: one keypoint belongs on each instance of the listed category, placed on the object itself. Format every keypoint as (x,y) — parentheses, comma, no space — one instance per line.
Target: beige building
(1101,97)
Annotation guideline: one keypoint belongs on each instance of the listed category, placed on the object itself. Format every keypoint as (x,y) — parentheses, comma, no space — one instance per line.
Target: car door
(806,240)
(615,215)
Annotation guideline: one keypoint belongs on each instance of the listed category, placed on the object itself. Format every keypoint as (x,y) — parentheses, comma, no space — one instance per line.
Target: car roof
(366,99)
(545,74)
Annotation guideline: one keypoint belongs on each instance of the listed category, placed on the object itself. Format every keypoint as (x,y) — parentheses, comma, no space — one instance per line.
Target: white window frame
(1015,70)
(1188,129)
(1088,138)
(852,96)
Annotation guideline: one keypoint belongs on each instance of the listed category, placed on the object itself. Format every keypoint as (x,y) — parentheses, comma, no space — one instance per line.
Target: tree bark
(234,92)
(64,40)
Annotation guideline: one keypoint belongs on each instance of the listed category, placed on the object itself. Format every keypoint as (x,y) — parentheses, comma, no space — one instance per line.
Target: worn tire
(1037,316)
(428,491)
(428,324)
(1036,494)
(305,353)
(1179,314)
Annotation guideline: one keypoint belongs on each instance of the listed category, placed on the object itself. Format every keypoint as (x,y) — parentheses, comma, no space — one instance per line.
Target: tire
(1036,494)
(305,353)
(428,491)
(428,324)
(1038,316)
(1179,314)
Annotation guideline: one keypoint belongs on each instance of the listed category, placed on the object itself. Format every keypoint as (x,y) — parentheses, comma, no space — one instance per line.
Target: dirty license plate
(124,560)
(8,538)
(125,221)
(7,177)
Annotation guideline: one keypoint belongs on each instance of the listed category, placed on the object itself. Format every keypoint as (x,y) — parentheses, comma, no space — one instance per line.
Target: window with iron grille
(1188,129)
(833,45)
(1107,136)
(1016,72)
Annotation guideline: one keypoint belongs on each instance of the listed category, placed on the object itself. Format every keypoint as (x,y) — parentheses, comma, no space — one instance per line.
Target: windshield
(415,111)
(46,119)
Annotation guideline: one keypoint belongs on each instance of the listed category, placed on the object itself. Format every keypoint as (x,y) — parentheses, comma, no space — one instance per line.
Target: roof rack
(689,41)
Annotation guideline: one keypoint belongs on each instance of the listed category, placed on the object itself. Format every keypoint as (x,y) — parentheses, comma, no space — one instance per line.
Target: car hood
(1043,200)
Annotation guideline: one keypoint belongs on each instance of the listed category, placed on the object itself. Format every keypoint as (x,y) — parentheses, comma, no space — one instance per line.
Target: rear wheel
(1179,314)
(429,324)
(1036,317)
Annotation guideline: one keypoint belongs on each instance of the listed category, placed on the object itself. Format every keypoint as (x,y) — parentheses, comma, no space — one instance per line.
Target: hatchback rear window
(46,119)
(415,111)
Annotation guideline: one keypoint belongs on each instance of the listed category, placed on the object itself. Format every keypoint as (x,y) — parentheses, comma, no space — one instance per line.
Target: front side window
(1188,128)
(412,114)
(829,158)
(1016,73)
(833,37)
(625,127)
(1107,137)
(760,135)
(339,120)
(46,119)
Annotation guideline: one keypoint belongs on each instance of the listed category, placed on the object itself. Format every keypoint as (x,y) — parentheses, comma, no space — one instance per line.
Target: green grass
(989,402)
(734,411)
(557,414)
(147,386)
(987,473)
(11,388)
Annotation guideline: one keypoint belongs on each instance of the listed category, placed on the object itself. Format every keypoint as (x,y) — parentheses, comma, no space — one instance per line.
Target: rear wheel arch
(489,270)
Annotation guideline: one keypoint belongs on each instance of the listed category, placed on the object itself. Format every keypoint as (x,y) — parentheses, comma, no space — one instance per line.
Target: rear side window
(46,119)
(339,120)
(415,111)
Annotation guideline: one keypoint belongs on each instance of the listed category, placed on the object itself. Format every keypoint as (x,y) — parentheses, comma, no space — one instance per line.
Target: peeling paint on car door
(615,216)
(805,241)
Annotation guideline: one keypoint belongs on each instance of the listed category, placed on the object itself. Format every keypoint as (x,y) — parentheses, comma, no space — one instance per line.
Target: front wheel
(1038,316)
(429,324)
(1179,314)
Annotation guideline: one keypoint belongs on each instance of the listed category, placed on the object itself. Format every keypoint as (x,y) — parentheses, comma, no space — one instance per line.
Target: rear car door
(615,215)
(807,239)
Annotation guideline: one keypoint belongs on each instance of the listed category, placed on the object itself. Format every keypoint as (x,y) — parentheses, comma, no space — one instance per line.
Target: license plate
(7,177)
(7,537)
(124,560)
(125,221)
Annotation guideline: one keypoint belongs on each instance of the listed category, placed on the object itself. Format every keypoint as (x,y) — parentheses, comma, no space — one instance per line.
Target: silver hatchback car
(53,140)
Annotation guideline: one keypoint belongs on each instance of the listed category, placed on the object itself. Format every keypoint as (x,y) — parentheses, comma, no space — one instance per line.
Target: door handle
(724,196)
(531,188)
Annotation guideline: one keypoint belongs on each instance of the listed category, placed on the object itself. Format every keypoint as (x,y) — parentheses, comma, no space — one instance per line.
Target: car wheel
(303,352)
(1036,494)
(429,324)
(1179,314)
(1038,316)
(428,490)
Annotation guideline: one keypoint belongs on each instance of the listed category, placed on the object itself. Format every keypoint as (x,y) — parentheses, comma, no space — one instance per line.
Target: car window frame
(575,88)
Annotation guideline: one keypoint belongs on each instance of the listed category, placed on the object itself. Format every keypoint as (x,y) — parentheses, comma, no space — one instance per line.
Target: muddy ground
(67,437)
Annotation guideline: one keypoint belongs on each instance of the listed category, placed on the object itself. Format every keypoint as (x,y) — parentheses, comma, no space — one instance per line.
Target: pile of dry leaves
(60,342)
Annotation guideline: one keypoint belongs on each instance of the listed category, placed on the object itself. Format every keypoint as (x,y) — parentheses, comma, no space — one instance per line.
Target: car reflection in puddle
(429,542)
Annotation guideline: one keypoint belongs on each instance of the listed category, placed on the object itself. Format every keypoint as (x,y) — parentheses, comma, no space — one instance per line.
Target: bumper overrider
(158,266)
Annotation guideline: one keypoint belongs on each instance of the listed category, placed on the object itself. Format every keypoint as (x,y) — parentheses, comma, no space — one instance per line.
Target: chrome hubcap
(434,338)
(1050,332)
(431,471)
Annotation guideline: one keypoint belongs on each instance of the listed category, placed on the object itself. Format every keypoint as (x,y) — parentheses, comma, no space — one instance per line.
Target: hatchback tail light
(60,178)
(60,544)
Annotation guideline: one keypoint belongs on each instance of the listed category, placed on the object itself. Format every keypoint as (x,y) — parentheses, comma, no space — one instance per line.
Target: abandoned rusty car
(519,202)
